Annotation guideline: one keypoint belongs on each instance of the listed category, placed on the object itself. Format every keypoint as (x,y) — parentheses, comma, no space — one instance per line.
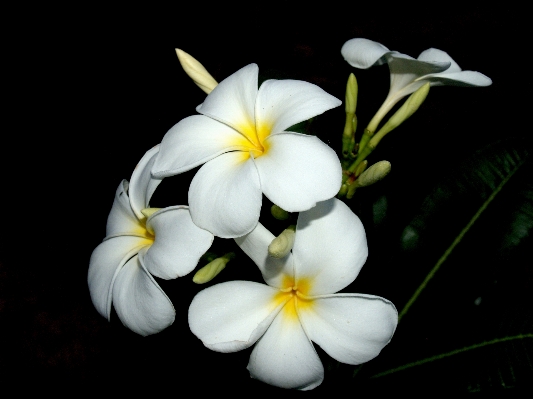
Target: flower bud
(278,213)
(374,173)
(212,269)
(196,71)
(350,126)
(351,95)
(408,108)
(282,244)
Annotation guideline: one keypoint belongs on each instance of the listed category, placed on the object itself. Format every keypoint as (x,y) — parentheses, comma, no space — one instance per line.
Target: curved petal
(404,64)
(463,78)
(178,243)
(330,247)
(142,184)
(298,170)
(141,304)
(255,245)
(285,357)
(364,53)
(351,328)
(232,101)
(283,103)
(225,195)
(405,70)
(194,141)
(433,54)
(121,218)
(106,261)
(231,316)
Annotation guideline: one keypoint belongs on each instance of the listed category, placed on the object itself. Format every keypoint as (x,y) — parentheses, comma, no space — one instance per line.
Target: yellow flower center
(143,231)
(296,295)
(253,138)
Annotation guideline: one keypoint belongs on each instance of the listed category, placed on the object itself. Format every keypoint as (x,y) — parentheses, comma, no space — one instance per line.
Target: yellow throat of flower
(142,228)
(295,294)
(253,138)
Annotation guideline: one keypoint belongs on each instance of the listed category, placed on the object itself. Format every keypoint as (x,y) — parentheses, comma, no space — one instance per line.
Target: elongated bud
(369,176)
(350,98)
(350,125)
(374,174)
(282,244)
(212,269)
(278,213)
(196,71)
(408,108)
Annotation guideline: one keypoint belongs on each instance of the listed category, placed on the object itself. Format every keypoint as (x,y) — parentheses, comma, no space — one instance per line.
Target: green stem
(454,352)
(361,157)
(454,244)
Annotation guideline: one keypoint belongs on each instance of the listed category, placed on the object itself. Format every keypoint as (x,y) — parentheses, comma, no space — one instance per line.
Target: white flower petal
(463,78)
(178,244)
(298,170)
(405,70)
(232,101)
(351,328)
(410,66)
(255,245)
(194,141)
(142,184)
(364,53)
(225,195)
(330,247)
(436,55)
(285,357)
(231,316)
(121,218)
(283,103)
(106,260)
(141,304)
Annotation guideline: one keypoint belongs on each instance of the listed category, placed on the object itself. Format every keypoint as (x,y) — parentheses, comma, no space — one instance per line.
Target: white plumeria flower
(241,138)
(167,244)
(409,74)
(299,305)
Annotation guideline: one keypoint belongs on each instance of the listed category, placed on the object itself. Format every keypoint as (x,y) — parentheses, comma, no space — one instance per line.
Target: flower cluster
(243,142)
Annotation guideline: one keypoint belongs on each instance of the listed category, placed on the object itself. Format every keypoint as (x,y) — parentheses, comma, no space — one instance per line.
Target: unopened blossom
(241,139)
(299,305)
(140,243)
(409,74)
(196,71)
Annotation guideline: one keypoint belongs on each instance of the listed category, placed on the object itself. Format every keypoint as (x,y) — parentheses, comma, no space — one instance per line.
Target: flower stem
(454,244)
(451,353)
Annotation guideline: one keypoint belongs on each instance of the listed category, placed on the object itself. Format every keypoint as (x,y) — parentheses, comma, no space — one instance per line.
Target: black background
(90,91)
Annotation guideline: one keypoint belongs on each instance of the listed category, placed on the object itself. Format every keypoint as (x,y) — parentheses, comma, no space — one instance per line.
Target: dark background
(91,91)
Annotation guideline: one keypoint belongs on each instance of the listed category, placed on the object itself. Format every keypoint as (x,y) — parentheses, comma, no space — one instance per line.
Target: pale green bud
(408,108)
(351,95)
(212,269)
(196,71)
(278,213)
(373,174)
(282,244)
(350,125)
